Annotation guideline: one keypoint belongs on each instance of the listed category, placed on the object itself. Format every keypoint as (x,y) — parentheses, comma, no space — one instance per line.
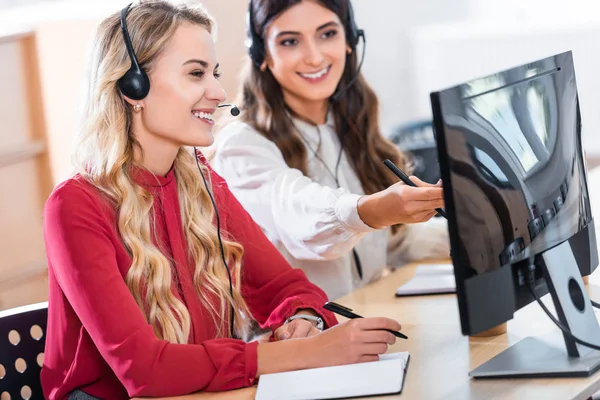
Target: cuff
(291,306)
(288,308)
(251,363)
(346,211)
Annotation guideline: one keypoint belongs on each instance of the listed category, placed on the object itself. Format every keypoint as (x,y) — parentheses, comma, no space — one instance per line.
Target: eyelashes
(200,74)
(293,41)
(289,42)
(329,34)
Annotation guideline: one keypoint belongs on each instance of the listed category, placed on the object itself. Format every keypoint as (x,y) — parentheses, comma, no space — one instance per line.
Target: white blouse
(313,223)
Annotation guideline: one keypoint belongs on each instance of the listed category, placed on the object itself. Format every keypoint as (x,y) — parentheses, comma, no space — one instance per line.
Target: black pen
(404,178)
(347,312)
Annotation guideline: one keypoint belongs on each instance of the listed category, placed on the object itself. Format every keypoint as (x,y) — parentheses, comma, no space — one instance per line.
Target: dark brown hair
(356,113)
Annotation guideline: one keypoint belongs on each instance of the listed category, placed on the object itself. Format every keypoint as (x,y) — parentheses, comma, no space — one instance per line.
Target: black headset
(256,47)
(136,85)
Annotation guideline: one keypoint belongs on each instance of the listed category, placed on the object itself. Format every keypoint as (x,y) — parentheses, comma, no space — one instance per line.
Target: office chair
(22,342)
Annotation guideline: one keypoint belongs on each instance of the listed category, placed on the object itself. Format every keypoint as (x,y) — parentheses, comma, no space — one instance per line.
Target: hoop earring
(137,107)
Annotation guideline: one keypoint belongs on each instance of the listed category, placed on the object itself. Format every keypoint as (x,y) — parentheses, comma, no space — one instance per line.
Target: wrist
(369,210)
(287,355)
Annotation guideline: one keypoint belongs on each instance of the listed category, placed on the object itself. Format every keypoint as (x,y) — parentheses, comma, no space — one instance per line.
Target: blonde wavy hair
(104,155)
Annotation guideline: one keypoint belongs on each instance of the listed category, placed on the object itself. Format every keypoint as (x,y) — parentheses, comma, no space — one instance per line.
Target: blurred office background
(413,47)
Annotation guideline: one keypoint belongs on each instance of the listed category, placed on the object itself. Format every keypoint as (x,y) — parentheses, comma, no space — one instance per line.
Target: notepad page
(385,376)
(430,279)
(434,269)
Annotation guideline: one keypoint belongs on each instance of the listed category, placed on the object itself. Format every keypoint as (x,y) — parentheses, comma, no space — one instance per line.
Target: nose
(313,55)
(215,91)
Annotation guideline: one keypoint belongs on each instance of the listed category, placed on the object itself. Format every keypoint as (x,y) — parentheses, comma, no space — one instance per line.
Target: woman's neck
(159,166)
(314,111)
(156,154)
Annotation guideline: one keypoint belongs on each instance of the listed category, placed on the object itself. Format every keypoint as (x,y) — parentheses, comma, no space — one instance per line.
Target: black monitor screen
(516,171)
(511,157)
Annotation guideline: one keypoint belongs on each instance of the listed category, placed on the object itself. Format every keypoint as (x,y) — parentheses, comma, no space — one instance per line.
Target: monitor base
(533,358)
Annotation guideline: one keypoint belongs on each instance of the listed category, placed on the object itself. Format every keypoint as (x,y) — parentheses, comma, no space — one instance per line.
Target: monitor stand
(532,357)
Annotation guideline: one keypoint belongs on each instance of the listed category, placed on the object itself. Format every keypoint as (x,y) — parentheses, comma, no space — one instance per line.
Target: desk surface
(441,357)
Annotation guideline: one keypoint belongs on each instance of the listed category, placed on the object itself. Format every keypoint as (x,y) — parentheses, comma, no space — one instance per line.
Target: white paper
(385,376)
(430,279)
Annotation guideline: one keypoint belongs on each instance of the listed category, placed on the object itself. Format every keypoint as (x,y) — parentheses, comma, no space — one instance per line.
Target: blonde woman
(152,285)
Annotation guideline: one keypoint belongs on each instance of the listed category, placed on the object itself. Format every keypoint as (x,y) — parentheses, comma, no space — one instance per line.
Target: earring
(137,107)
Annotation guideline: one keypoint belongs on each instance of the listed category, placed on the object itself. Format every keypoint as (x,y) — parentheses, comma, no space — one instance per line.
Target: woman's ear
(348,50)
(266,63)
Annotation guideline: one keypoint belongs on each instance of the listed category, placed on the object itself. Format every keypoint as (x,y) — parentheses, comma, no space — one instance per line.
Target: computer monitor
(515,189)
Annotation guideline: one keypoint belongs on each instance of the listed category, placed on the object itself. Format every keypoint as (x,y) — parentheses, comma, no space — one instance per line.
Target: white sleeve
(312,221)
(423,241)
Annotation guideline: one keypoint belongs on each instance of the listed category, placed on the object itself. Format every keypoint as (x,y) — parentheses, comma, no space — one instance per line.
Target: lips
(317,75)
(204,115)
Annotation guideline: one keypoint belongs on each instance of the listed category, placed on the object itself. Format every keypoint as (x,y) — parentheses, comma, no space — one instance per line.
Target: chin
(317,94)
(196,140)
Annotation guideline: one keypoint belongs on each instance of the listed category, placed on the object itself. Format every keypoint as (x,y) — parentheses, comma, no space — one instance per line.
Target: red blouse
(98,339)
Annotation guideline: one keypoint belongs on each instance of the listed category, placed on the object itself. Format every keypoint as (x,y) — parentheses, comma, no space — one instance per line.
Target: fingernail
(285,336)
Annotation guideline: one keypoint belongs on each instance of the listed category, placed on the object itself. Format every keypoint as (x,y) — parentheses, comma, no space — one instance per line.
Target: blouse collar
(146,178)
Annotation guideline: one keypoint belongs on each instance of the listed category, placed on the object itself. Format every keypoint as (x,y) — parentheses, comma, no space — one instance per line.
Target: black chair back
(22,342)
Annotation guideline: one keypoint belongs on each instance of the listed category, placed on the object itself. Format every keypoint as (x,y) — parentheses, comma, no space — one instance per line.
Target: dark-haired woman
(306,157)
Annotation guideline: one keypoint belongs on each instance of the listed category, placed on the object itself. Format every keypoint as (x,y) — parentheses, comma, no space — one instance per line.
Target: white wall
(535,11)
(418,47)
(445,56)
(387,25)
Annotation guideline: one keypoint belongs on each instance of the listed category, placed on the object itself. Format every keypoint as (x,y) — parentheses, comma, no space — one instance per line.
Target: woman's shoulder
(236,127)
(74,194)
(239,133)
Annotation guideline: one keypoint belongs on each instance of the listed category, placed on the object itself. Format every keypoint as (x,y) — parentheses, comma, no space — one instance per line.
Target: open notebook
(430,279)
(385,376)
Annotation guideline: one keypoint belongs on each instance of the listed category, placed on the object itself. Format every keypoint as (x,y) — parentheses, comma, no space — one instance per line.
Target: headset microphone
(336,96)
(234,110)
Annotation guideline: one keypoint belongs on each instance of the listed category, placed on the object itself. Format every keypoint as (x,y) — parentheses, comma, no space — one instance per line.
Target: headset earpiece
(353,33)
(254,42)
(135,83)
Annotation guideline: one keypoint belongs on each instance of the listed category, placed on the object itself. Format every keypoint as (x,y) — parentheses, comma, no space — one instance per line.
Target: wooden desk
(240,394)
(441,357)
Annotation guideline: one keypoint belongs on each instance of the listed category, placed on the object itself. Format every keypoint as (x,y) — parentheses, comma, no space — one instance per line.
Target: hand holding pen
(347,312)
(354,341)
(401,203)
(407,181)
